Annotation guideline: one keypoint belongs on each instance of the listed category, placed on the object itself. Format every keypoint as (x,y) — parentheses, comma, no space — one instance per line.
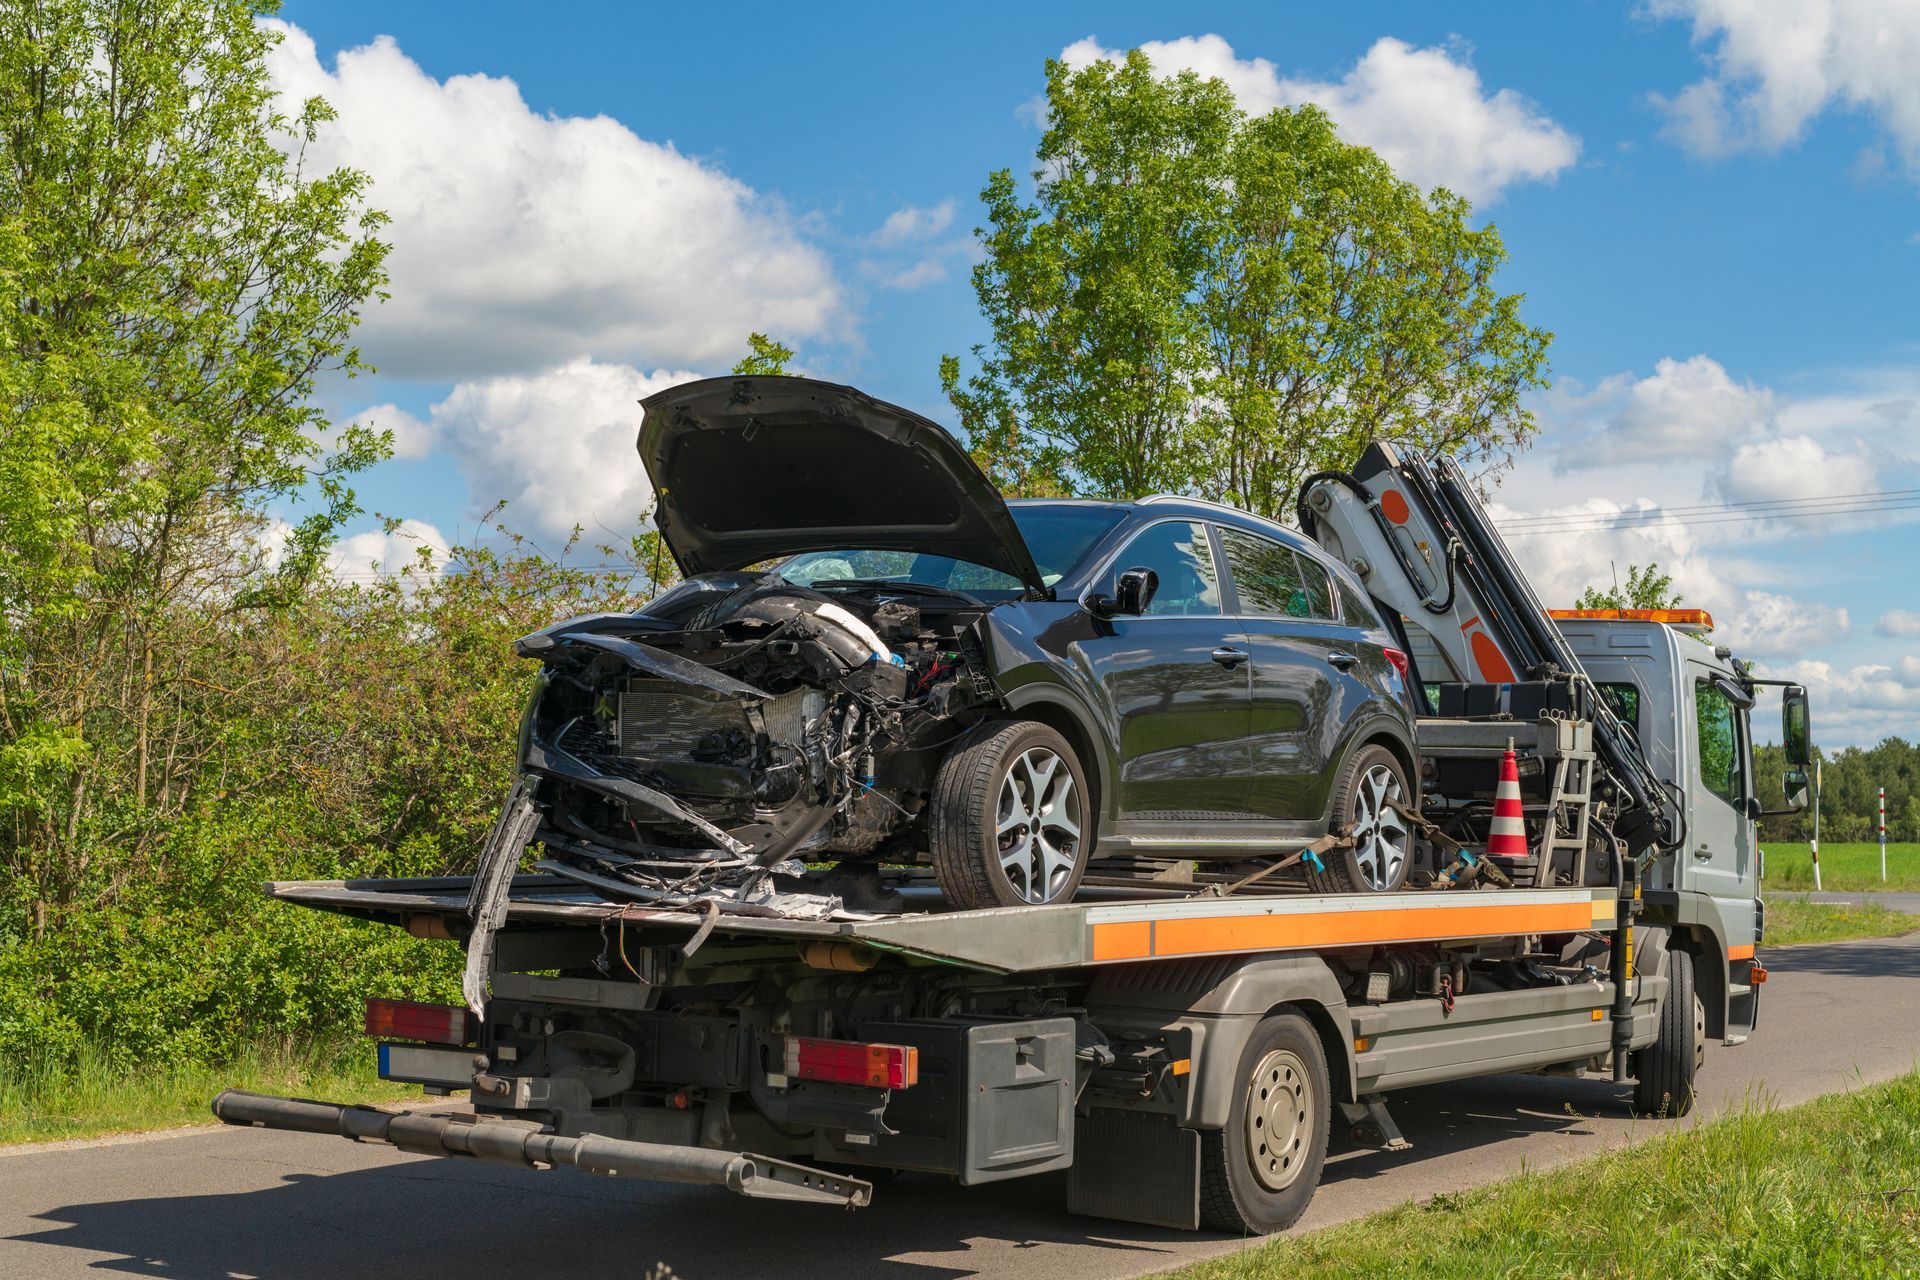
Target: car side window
(1273,581)
(1719,742)
(1179,554)
(1355,609)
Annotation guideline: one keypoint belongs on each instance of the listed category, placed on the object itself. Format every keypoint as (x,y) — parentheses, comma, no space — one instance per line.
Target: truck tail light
(411,1020)
(1399,661)
(877,1066)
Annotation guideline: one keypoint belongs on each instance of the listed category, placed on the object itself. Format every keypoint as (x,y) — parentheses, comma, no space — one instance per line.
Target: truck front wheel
(1664,1070)
(1259,1173)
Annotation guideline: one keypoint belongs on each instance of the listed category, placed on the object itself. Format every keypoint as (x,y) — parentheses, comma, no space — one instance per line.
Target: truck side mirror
(1795,784)
(1796,730)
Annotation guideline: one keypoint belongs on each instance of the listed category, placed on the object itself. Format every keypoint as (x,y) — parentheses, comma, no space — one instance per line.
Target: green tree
(764,355)
(1195,300)
(1646,588)
(172,281)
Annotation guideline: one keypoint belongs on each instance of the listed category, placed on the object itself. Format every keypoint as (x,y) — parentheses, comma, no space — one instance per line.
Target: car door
(1721,857)
(1309,677)
(1175,690)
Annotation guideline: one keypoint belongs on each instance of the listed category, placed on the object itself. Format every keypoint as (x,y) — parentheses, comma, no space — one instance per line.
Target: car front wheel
(1011,818)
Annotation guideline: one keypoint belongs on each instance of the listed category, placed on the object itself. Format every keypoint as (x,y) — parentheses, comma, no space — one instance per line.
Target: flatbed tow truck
(1180,1040)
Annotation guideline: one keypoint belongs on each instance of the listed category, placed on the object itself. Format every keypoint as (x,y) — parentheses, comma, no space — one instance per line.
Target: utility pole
(1883,835)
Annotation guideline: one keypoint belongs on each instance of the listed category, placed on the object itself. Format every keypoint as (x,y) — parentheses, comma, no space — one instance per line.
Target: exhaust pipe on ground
(523,1143)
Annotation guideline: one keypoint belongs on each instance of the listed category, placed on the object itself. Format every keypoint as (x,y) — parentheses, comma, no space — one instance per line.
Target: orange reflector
(876,1066)
(1182,1065)
(1360,1044)
(1756,975)
(411,1020)
(1599,1015)
(1742,952)
(1674,617)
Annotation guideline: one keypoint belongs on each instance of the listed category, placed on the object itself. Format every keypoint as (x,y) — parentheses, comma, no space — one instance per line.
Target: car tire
(1383,853)
(994,841)
(1258,1174)
(1663,1072)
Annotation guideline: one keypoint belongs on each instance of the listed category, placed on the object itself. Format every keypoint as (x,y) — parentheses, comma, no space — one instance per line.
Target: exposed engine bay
(741,726)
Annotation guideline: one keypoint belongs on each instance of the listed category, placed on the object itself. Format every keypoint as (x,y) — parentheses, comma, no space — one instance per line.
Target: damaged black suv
(927,673)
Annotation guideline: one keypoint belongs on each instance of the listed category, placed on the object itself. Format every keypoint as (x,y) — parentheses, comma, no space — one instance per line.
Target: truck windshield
(1058,536)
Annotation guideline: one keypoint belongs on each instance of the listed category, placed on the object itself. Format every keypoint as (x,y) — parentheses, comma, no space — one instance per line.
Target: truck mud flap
(526,1144)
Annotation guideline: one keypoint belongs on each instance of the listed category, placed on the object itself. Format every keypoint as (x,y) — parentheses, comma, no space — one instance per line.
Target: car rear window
(1274,581)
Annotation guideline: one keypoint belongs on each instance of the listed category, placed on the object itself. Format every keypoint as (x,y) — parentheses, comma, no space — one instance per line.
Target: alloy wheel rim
(1379,832)
(1280,1108)
(1037,825)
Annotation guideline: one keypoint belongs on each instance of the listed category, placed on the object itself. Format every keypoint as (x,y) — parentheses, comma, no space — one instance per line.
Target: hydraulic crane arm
(1422,543)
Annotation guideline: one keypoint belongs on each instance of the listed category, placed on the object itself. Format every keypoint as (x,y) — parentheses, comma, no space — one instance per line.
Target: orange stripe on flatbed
(1138,940)
(1123,940)
(1740,953)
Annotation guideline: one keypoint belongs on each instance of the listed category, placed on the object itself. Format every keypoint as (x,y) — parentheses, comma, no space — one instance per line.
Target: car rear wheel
(1011,820)
(1371,785)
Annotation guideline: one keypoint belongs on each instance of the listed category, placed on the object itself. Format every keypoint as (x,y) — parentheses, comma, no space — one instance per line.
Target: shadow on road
(420,1217)
(1894,958)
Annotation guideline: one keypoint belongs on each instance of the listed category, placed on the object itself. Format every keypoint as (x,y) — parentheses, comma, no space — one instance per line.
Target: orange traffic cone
(1508,836)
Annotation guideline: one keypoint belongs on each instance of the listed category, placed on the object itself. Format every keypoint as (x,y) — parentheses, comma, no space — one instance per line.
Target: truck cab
(1689,703)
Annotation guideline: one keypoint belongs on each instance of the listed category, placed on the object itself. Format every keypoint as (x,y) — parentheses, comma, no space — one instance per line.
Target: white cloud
(412,438)
(1688,408)
(1776,66)
(1859,705)
(1424,110)
(1791,467)
(926,271)
(914,222)
(1899,623)
(557,446)
(521,240)
(379,553)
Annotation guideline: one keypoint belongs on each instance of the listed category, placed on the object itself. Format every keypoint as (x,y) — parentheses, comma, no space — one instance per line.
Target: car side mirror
(1133,591)
(1796,730)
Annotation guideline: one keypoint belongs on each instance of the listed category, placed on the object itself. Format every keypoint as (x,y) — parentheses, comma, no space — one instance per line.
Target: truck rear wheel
(1259,1173)
(1664,1071)
(1010,817)
(1371,784)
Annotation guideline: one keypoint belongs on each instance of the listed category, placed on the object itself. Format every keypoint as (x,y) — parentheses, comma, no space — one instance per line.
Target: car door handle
(1229,657)
(1703,852)
(1344,661)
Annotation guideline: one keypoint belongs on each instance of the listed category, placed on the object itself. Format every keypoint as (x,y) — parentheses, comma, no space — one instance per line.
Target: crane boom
(1421,542)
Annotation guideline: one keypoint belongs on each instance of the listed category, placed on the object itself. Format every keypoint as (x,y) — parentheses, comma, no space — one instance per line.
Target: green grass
(1831,1188)
(1791,921)
(39,1101)
(1848,868)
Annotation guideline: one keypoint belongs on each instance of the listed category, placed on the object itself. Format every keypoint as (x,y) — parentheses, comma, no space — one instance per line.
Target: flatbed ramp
(1025,939)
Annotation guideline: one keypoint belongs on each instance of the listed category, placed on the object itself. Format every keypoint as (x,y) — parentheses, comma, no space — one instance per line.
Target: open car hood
(748,469)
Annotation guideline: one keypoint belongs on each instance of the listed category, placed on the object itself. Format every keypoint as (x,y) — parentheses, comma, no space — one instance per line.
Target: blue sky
(1717,212)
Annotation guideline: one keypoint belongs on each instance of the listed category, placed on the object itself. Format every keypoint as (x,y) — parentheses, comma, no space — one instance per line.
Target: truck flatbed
(1029,939)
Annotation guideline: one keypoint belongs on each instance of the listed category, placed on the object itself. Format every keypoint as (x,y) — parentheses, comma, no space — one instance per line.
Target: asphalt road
(249,1203)
(1892,901)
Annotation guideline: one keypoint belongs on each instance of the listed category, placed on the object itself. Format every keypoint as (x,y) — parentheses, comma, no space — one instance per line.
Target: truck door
(1721,841)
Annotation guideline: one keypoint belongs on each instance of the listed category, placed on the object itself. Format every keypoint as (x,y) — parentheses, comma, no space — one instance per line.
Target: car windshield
(1059,536)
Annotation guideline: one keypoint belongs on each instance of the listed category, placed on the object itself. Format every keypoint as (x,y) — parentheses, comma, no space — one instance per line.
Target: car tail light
(877,1066)
(1399,661)
(411,1020)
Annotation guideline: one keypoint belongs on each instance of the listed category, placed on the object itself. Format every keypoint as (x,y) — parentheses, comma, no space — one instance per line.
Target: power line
(1595,522)
(1747,505)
